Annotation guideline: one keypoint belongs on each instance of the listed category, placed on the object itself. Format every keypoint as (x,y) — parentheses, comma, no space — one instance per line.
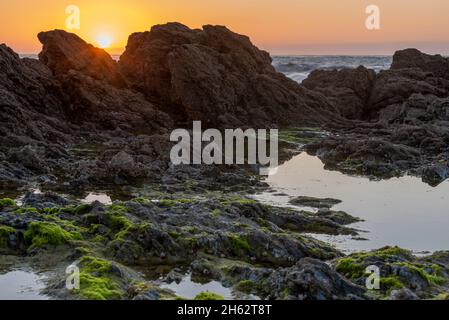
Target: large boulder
(413,58)
(394,87)
(63,51)
(31,115)
(216,76)
(311,279)
(93,88)
(348,89)
(106,106)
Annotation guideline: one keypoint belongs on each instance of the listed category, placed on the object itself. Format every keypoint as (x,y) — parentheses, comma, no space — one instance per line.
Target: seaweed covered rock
(308,279)
(311,279)
(399,269)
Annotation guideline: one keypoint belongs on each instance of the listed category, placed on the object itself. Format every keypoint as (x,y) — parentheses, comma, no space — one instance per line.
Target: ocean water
(299,67)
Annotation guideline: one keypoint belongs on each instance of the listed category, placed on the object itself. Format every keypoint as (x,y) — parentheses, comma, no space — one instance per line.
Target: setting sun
(104,41)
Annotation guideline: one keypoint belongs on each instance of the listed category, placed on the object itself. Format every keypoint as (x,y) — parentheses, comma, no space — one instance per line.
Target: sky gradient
(279,26)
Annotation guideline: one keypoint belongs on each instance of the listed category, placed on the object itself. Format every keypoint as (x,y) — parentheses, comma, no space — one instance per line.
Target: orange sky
(279,26)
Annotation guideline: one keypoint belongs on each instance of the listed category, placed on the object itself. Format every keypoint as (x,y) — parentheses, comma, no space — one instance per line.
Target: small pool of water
(401,211)
(21,285)
(189,289)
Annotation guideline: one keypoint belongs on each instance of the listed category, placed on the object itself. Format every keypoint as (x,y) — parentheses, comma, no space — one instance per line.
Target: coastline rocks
(107,107)
(93,87)
(348,89)
(402,125)
(308,279)
(63,51)
(311,279)
(393,87)
(413,58)
(216,76)
(400,270)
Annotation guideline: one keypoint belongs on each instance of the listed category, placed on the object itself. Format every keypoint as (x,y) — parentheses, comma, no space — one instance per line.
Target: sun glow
(104,41)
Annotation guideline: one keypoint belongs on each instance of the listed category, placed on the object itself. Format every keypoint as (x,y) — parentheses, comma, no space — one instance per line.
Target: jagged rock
(403,294)
(435,174)
(310,279)
(63,51)
(216,76)
(348,89)
(107,107)
(28,157)
(413,58)
(394,87)
(42,200)
(93,86)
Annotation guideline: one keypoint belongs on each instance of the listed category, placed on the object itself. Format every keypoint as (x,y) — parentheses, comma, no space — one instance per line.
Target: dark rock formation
(394,87)
(413,58)
(31,120)
(63,51)
(410,276)
(408,110)
(348,89)
(94,87)
(216,76)
(311,279)
(320,203)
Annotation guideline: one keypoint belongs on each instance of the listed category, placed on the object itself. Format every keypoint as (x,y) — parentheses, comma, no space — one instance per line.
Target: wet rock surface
(320,203)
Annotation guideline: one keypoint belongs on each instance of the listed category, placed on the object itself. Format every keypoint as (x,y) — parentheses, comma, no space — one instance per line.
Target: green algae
(239,243)
(7,202)
(96,281)
(42,233)
(206,295)
(5,232)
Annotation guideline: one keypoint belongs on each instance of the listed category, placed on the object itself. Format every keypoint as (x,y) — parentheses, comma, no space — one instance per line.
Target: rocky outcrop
(348,89)
(31,118)
(403,276)
(408,110)
(413,58)
(216,76)
(311,279)
(63,51)
(93,87)
(46,110)
(394,87)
